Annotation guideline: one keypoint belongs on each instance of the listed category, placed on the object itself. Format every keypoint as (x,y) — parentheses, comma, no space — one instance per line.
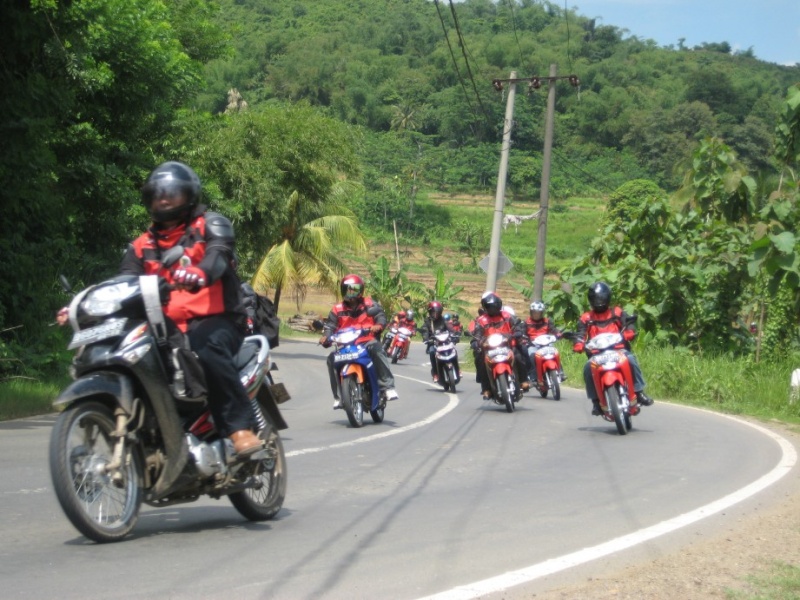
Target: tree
(390,290)
(308,251)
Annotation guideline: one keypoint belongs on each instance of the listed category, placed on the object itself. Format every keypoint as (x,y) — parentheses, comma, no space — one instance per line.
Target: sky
(770,27)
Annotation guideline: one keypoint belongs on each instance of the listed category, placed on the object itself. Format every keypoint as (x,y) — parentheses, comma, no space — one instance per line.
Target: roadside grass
(23,398)
(780,581)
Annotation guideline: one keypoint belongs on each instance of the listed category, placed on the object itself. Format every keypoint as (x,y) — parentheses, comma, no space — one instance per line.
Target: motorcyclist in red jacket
(356,310)
(497,320)
(603,318)
(538,324)
(206,303)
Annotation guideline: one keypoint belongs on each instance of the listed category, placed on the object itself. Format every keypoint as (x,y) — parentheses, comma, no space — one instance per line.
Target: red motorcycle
(613,379)
(547,362)
(401,341)
(499,356)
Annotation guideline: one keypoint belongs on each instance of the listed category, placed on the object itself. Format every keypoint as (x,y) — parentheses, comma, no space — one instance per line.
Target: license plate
(97,333)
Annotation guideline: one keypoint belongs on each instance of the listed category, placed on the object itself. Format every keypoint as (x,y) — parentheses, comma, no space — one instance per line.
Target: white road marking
(561,563)
(452,403)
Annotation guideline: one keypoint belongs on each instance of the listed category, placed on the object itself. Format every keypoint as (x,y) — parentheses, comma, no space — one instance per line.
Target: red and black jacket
(541,327)
(207,239)
(364,315)
(613,320)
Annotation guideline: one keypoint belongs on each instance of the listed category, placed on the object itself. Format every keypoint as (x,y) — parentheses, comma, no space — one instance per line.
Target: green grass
(22,398)
(780,582)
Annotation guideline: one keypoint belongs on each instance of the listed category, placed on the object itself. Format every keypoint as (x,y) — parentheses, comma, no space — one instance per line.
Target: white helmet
(537,306)
(510,310)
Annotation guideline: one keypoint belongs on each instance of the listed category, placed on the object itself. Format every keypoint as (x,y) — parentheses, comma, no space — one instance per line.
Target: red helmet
(434,309)
(352,288)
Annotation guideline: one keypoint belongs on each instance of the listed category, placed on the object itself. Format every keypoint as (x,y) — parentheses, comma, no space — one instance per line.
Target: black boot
(596,410)
(644,399)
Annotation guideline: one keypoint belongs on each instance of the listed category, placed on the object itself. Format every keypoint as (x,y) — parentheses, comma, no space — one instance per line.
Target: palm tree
(308,253)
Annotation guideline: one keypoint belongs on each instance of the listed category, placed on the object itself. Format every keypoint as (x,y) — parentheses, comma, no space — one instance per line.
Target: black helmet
(170,178)
(492,303)
(599,296)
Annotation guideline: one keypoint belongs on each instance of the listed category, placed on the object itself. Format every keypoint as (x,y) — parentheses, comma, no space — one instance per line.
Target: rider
(206,303)
(606,319)
(496,320)
(537,324)
(356,310)
(457,327)
(433,323)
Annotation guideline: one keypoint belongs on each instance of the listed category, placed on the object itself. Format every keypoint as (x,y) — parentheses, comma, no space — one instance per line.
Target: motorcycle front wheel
(395,354)
(262,502)
(555,383)
(101,507)
(502,391)
(615,405)
(352,395)
(450,378)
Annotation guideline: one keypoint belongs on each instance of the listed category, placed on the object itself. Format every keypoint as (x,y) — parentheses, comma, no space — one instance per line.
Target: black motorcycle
(134,429)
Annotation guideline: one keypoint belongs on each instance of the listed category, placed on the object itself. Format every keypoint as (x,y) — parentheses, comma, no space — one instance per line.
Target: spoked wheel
(503,392)
(102,505)
(352,394)
(555,383)
(615,405)
(262,502)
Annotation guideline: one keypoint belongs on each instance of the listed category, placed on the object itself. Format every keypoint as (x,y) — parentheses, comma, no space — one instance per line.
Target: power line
(453,57)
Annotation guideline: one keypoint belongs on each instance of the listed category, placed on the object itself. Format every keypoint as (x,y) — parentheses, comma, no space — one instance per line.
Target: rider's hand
(62,316)
(189,278)
(376,329)
(577,347)
(324,341)
(628,334)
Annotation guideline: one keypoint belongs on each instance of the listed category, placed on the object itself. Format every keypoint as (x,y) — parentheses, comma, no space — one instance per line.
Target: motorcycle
(547,362)
(358,381)
(400,342)
(613,379)
(446,357)
(132,431)
(499,358)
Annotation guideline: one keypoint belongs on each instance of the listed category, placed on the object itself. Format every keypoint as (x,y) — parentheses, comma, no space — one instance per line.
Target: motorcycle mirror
(171,256)
(65,283)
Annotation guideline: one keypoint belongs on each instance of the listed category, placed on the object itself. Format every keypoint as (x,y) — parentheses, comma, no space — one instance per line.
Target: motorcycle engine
(208,458)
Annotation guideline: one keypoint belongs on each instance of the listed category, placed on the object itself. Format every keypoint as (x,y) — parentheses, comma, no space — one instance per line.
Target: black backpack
(262,312)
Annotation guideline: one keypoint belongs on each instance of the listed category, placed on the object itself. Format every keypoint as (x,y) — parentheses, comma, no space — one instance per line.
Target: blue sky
(770,27)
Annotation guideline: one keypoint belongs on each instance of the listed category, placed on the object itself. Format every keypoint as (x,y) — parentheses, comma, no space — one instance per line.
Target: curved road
(450,497)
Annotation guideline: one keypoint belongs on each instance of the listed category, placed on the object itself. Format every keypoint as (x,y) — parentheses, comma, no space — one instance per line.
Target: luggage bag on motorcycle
(262,311)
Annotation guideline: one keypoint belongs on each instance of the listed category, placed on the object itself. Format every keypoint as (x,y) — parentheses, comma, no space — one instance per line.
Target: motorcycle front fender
(503,367)
(103,385)
(353,369)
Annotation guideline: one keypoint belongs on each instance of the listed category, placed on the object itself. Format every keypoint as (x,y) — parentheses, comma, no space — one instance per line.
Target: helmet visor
(351,291)
(169,189)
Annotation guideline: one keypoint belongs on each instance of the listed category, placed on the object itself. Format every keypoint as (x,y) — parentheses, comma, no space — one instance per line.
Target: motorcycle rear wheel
(81,446)
(352,395)
(615,405)
(264,501)
(555,383)
(502,391)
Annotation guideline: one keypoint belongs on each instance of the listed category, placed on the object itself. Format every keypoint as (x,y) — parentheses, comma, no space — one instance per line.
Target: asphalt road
(450,495)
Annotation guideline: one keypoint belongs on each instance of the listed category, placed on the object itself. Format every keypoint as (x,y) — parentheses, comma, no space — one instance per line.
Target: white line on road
(561,563)
(452,403)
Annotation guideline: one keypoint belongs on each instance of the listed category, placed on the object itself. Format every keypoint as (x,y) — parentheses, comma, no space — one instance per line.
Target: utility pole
(544,194)
(500,195)
(541,243)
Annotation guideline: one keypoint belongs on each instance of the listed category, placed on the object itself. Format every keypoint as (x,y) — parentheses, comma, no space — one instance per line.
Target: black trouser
(216,340)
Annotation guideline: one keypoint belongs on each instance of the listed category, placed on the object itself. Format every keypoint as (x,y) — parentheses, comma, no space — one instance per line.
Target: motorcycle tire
(614,401)
(555,383)
(377,414)
(503,392)
(265,500)
(81,443)
(450,379)
(352,396)
(395,354)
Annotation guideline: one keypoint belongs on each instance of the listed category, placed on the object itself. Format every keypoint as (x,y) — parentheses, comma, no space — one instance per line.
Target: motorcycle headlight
(107,300)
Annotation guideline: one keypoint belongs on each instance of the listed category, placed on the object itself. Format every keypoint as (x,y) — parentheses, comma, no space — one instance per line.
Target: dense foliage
(281,101)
